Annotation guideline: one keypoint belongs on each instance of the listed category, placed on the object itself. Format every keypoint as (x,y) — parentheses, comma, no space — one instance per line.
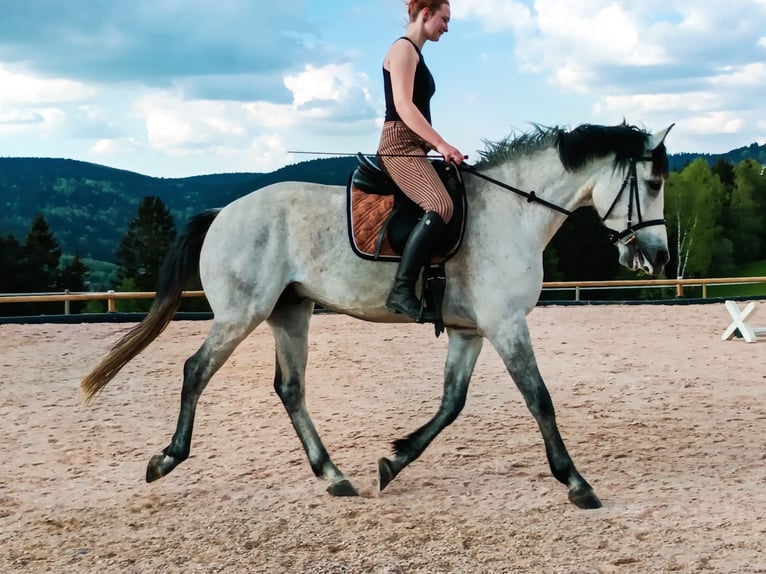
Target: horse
(274,254)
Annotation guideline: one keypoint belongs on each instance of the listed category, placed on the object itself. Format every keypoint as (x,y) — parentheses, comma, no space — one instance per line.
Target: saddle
(381,217)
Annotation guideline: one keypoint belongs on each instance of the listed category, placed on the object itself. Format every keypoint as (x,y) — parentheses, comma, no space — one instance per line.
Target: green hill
(754,151)
(88,206)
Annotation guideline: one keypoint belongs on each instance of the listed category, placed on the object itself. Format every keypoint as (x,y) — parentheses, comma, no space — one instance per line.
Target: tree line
(716,222)
(37,266)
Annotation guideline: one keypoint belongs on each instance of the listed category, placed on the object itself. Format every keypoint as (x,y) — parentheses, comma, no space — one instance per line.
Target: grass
(756,269)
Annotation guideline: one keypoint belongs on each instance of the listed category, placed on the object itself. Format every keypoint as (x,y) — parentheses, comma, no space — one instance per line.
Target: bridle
(627,235)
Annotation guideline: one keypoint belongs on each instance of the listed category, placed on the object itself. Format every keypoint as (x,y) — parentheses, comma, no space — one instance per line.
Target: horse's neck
(542,173)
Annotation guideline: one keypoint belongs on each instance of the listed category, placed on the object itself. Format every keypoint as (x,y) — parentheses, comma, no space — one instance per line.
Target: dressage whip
(438,156)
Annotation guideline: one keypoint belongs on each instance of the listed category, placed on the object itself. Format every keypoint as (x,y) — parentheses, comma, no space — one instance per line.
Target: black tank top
(422,90)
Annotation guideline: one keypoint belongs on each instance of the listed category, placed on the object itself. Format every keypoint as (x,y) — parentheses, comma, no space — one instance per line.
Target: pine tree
(11,279)
(145,244)
(42,254)
(73,275)
(12,263)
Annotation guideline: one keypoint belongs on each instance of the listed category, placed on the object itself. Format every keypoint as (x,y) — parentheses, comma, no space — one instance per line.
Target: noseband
(627,236)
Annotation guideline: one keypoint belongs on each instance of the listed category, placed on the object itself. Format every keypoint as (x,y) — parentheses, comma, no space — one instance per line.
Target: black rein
(627,236)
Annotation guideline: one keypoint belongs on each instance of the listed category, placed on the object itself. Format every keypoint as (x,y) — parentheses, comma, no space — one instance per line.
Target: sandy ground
(664,419)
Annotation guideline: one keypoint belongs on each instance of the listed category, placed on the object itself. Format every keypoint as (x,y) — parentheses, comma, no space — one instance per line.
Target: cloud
(325,100)
(331,91)
(658,60)
(26,90)
(494,15)
(110,147)
(182,79)
(747,76)
(714,122)
(156,41)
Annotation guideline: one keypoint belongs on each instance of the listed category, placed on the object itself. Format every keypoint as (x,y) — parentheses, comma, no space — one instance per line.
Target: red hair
(415,6)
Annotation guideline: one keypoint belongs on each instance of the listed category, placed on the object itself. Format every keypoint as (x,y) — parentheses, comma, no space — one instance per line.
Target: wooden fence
(111,297)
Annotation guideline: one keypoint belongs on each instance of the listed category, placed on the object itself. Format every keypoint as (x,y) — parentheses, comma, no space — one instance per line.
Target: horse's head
(630,200)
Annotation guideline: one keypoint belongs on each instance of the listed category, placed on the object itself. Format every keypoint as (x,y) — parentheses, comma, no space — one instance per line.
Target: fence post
(66,302)
(110,306)
(679,288)
(577,292)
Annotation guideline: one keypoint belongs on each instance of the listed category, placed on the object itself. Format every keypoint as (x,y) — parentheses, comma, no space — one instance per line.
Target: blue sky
(177,88)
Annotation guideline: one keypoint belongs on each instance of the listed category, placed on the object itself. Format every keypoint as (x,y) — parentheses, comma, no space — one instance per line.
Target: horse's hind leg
(517,354)
(290,323)
(198,369)
(464,349)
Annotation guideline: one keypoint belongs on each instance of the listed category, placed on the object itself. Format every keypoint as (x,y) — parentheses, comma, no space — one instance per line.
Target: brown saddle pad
(369,212)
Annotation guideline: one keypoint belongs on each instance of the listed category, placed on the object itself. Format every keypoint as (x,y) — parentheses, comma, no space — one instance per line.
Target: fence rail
(577,287)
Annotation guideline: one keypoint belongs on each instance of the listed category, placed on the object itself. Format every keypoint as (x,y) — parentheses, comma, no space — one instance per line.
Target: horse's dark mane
(579,146)
(514,145)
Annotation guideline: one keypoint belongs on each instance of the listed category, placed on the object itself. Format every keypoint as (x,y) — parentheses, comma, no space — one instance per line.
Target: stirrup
(423,315)
(426,315)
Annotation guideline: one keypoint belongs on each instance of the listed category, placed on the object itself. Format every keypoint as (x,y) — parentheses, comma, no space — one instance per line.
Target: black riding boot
(417,253)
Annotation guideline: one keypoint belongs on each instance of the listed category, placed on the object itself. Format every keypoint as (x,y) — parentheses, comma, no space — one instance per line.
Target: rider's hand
(451,154)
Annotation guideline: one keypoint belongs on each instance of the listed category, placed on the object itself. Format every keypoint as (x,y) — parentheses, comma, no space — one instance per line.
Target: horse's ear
(656,139)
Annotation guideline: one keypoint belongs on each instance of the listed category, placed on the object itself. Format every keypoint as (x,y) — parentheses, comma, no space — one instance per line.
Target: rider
(406,138)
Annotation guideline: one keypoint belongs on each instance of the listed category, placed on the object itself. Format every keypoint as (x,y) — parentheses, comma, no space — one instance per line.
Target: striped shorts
(401,154)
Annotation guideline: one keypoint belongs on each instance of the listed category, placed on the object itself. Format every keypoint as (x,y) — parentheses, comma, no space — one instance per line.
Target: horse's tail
(180,265)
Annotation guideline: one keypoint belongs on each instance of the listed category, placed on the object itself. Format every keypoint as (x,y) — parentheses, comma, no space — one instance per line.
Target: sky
(176,88)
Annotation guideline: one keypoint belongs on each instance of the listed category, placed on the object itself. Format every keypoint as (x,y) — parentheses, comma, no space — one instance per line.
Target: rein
(529,195)
(627,236)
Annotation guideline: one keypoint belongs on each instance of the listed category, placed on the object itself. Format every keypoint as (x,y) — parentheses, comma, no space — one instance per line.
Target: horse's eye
(654,184)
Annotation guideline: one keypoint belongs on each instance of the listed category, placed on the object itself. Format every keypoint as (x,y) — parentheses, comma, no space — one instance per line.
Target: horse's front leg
(515,348)
(290,324)
(464,349)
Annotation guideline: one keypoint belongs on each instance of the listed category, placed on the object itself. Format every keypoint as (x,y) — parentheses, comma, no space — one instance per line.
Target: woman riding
(406,139)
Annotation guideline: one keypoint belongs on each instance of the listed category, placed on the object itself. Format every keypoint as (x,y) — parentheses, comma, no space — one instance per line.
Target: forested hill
(754,151)
(88,206)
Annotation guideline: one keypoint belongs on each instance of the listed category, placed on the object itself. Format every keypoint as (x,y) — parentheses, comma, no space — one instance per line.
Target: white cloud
(655,61)
(271,116)
(332,90)
(713,122)
(27,90)
(647,104)
(109,147)
(19,116)
(494,15)
(585,36)
(749,75)
(176,125)
(325,100)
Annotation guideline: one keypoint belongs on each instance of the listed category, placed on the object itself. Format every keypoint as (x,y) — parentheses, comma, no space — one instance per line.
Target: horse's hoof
(342,488)
(386,473)
(585,499)
(159,465)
